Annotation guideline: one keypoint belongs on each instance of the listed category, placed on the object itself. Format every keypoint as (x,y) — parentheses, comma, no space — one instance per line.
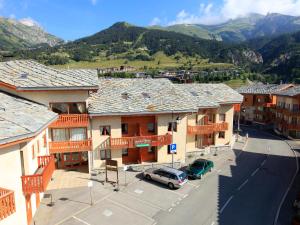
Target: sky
(73,19)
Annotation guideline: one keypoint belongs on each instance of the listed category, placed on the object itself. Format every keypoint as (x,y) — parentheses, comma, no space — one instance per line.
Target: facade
(259,102)
(71,118)
(287,120)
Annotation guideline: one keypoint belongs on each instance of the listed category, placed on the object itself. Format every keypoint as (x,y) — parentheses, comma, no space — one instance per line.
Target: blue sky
(72,19)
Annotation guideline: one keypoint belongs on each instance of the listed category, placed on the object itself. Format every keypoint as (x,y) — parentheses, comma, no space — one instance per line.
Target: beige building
(133,121)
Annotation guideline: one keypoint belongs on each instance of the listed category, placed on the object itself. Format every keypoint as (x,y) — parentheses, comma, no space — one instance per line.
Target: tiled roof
(260,88)
(212,93)
(132,96)
(293,91)
(20,118)
(30,75)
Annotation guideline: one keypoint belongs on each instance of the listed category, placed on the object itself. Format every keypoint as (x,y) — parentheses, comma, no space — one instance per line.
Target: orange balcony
(207,129)
(38,182)
(141,141)
(70,146)
(291,126)
(71,120)
(7,203)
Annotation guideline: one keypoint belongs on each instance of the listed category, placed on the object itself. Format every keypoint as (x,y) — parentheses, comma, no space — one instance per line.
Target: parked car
(172,177)
(198,168)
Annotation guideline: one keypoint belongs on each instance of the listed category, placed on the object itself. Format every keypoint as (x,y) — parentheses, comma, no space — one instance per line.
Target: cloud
(94,2)
(155,21)
(29,22)
(232,9)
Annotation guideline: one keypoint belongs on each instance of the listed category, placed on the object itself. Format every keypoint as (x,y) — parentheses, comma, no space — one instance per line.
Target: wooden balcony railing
(141,141)
(71,120)
(38,182)
(7,203)
(290,126)
(207,129)
(70,146)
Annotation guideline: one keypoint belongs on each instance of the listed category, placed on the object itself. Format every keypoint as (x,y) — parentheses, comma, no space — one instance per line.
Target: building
(259,102)
(287,120)
(59,119)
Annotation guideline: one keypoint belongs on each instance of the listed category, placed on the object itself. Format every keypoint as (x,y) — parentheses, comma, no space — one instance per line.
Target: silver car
(172,177)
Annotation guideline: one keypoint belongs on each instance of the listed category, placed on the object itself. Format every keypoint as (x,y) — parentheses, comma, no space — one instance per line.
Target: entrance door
(28,208)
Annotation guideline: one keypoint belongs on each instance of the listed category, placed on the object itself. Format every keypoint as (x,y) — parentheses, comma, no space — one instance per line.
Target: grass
(161,61)
(236,83)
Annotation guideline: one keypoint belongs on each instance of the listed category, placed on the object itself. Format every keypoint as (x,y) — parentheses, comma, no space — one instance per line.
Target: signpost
(90,185)
(112,165)
(125,169)
(173,150)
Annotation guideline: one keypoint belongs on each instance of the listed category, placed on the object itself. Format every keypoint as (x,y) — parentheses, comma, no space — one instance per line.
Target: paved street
(245,187)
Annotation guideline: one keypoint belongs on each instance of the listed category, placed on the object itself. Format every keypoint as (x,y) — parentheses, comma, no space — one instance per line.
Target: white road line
(143,201)
(243,184)
(193,185)
(263,163)
(130,209)
(185,196)
(170,209)
(80,220)
(213,223)
(255,172)
(225,205)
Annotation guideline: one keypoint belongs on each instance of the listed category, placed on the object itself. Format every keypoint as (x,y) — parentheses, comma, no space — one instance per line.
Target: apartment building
(259,102)
(25,164)
(73,119)
(288,112)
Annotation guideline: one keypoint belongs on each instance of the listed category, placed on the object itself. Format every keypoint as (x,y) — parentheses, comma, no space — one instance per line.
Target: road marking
(107,213)
(185,196)
(213,222)
(225,205)
(138,191)
(170,209)
(80,220)
(243,184)
(255,172)
(263,163)
(193,185)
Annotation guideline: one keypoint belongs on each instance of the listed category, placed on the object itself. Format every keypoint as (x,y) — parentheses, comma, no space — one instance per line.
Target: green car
(198,168)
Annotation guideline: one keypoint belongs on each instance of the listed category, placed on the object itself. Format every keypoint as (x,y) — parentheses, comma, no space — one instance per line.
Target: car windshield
(182,176)
(197,164)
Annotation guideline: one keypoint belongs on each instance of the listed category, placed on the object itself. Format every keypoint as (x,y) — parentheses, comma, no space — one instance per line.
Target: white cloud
(231,9)
(94,2)
(155,21)
(29,22)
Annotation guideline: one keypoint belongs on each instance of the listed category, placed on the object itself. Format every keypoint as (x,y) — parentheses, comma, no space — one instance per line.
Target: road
(245,191)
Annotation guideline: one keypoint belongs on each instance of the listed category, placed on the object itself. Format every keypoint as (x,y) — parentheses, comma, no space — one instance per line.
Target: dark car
(198,168)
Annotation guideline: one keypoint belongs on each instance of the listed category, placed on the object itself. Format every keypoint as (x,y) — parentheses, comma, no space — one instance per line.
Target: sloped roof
(291,92)
(134,96)
(213,93)
(260,88)
(30,75)
(20,118)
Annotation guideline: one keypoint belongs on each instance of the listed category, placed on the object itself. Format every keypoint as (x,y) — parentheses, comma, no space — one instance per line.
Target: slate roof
(20,118)
(135,96)
(30,75)
(293,91)
(260,88)
(213,93)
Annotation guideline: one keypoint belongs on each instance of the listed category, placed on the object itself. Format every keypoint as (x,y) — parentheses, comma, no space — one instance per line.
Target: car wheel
(171,185)
(148,177)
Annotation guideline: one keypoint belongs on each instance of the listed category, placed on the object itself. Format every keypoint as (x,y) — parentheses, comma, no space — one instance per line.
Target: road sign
(173,148)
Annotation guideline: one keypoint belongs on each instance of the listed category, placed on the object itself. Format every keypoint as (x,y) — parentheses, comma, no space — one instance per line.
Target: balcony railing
(207,129)
(291,126)
(7,203)
(141,141)
(38,182)
(71,120)
(70,146)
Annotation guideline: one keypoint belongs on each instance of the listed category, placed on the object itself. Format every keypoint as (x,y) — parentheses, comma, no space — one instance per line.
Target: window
(105,130)
(222,117)
(105,154)
(124,128)
(125,152)
(59,134)
(38,146)
(222,134)
(33,151)
(45,140)
(152,150)
(172,125)
(151,127)
(78,134)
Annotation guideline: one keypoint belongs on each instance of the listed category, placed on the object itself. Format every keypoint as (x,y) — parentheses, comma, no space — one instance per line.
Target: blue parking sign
(173,148)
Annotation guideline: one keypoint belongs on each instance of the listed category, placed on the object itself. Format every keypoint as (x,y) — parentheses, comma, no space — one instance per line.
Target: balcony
(38,182)
(207,129)
(7,203)
(265,104)
(70,146)
(71,120)
(291,126)
(140,141)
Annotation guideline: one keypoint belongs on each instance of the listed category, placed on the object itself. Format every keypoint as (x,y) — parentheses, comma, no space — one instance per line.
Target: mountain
(128,42)
(16,34)
(241,29)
